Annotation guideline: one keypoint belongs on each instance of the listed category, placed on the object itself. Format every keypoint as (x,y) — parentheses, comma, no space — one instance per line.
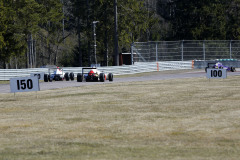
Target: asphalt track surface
(5,88)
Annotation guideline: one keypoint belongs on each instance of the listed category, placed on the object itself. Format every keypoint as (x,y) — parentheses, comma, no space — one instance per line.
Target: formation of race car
(88,74)
(57,74)
(93,75)
(219,65)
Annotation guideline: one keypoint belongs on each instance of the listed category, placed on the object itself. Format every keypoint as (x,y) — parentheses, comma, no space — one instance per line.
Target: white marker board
(216,73)
(24,84)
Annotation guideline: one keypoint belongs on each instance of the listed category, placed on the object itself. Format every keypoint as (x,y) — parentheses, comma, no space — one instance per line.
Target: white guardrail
(138,67)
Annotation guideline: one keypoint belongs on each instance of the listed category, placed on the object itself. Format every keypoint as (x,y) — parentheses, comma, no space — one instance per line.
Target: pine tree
(2,24)
(233,25)
(195,19)
(50,32)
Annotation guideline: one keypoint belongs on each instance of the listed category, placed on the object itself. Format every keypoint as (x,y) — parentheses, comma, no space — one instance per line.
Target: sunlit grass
(167,119)
(4,82)
(160,72)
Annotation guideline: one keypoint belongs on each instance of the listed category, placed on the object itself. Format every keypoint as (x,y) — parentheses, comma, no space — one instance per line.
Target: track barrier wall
(138,67)
(198,64)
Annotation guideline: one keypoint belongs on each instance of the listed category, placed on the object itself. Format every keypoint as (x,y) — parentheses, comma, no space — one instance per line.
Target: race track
(5,88)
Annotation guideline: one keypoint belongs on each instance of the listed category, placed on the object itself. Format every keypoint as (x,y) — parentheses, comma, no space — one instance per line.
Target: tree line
(200,20)
(36,33)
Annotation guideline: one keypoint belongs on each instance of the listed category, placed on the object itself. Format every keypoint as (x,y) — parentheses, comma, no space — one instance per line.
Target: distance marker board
(216,73)
(24,84)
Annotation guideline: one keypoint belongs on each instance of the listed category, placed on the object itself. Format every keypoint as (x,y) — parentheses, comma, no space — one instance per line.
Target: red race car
(93,75)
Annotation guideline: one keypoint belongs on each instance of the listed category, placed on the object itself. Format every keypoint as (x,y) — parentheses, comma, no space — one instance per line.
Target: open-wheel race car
(57,74)
(219,65)
(93,75)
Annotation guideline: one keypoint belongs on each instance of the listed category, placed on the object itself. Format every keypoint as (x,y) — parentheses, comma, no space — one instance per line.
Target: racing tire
(45,78)
(206,69)
(49,78)
(79,77)
(102,77)
(110,77)
(233,69)
(72,76)
(66,76)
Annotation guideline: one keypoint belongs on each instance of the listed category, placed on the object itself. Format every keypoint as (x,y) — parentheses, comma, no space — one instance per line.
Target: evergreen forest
(75,33)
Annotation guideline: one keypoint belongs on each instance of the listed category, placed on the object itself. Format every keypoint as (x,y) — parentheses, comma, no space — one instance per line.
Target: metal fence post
(230,49)
(204,51)
(132,54)
(182,49)
(149,51)
(156,52)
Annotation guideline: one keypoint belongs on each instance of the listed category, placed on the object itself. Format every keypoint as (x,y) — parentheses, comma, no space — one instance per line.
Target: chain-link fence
(185,50)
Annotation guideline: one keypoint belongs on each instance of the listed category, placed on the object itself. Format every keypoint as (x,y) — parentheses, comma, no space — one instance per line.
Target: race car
(57,74)
(93,75)
(219,65)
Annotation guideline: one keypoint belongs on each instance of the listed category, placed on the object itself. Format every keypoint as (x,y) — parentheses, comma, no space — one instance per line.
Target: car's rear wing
(208,66)
(52,69)
(86,68)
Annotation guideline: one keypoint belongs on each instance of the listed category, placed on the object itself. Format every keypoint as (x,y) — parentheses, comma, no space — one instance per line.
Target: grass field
(168,119)
(4,82)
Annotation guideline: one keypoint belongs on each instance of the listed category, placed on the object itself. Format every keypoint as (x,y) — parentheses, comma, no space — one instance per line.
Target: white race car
(57,74)
(93,75)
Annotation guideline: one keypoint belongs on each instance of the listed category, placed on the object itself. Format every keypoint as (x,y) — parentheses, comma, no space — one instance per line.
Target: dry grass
(4,82)
(160,72)
(169,119)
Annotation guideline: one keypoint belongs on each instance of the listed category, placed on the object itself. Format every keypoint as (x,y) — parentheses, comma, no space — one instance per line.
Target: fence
(185,50)
(138,67)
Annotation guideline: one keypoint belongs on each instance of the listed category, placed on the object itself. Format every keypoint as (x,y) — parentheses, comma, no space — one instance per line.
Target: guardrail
(138,67)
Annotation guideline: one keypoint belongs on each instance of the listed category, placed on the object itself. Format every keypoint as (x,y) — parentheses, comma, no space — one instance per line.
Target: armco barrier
(202,64)
(139,67)
(6,74)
